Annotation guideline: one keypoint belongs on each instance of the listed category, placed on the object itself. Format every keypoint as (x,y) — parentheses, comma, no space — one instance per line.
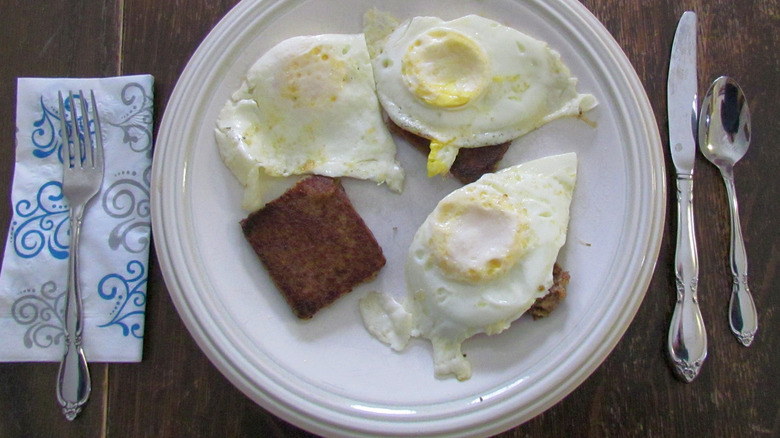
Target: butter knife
(687,343)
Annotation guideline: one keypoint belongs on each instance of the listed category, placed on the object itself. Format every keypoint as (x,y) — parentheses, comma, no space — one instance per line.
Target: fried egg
(307,106)
(479,261)
(468,82)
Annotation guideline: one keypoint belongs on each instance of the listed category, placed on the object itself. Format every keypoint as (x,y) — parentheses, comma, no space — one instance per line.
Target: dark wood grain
(41,38)
(176,391)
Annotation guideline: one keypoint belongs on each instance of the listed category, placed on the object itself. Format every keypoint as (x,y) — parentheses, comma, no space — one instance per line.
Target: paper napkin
(115,235)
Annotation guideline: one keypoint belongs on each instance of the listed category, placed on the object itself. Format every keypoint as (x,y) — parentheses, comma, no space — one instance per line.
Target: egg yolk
(479,238)
(445,68)
(440,157)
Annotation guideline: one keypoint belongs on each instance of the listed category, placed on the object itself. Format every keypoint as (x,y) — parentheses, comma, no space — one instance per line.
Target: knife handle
(743,317)
(687,341)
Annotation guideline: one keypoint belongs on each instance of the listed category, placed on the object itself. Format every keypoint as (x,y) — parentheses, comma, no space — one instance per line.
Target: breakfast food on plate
(314,244)
(468,82)
(470,164)
(479,261)
(460,91)
(307,106)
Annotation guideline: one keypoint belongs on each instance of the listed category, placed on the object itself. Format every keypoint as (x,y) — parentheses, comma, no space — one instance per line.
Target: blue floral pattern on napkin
(41,224)
(129,293)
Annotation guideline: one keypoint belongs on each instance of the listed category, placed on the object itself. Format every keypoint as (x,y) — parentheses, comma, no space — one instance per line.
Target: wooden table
(176,391)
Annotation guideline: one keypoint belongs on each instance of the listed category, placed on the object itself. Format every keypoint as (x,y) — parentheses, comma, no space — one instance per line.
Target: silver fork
(82,164)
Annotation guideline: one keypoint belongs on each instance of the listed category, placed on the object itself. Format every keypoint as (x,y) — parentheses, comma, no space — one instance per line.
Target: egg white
(459,286)
(468,82)
(307,106)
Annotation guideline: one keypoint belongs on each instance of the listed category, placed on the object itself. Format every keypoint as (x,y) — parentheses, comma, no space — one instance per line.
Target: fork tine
(75,135)
(89,152)
(64,135)
(98,132)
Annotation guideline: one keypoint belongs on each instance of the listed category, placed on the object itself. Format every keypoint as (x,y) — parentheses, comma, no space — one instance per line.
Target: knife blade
(682,95)
(687,341)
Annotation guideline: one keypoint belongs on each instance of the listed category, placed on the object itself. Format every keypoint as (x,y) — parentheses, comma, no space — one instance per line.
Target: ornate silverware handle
(743,317)
(687,336)
(73,381)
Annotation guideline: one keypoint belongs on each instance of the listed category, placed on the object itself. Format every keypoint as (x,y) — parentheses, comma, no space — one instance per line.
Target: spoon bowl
(724,128)
(724,137)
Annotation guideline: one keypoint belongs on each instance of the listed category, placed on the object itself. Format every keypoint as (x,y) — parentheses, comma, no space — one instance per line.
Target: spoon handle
(687,343)
(743,317)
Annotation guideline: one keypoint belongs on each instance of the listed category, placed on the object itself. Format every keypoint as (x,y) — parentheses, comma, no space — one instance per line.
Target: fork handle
(73,381)
(743,317)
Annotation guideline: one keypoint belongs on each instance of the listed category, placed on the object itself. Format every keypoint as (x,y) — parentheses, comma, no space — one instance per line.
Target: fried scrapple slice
(546,304)
(470,163)
(314,244)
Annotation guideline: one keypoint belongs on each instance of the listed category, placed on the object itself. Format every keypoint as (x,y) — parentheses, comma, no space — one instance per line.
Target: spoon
(724,136)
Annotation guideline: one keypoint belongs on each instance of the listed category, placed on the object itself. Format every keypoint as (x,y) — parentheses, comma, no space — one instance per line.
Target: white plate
(328,375)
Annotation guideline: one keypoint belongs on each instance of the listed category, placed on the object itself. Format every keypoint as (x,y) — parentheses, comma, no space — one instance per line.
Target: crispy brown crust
(546,304)
(469,165)
(314,244)
(472,163)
